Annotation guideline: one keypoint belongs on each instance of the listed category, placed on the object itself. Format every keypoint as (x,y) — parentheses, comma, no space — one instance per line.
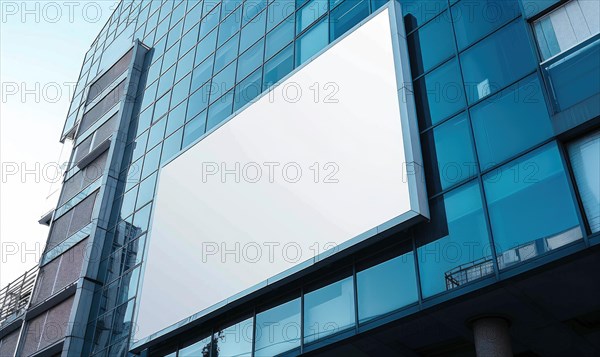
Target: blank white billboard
(318,162)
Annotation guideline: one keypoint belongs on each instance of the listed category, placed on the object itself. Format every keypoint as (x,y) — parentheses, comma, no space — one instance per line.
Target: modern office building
(326,177)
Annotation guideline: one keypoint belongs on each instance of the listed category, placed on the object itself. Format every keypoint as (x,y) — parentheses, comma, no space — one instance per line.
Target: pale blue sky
(42,46)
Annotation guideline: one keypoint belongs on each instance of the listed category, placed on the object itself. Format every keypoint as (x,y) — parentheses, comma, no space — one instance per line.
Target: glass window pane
(497,61)
(210,21)
(449,153)
(279,10)
(278,329)
(227,53)
(235,340)
(279,38)
(531,207)
(417,12)
(474,19)
(310,13)
(252,8)
(253,31)
(230,25)
(223,81)
(454,248)
(248,89)
(181,90)
(313,40)
(329,310)
(206,46)
(146,191)
(157,133)
(198,101)
(347,15)
(194,129)
(171,146)
(202,73)
(151,161)
(439,94)
(250,60)
(176,118)
(386,287)
(197,349)
(430,45)
(219,110)
(586,167)
(279,66)
(511,122)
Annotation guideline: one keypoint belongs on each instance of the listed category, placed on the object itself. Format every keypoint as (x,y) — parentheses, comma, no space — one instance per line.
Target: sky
(42,46)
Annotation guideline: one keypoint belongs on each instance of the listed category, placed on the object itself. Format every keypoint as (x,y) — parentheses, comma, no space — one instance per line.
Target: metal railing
(15,296)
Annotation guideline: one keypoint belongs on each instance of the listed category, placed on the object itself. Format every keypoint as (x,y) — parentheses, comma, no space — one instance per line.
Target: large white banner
(318,161)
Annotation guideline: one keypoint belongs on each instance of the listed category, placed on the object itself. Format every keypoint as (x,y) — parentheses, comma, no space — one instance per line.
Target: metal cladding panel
(293,174)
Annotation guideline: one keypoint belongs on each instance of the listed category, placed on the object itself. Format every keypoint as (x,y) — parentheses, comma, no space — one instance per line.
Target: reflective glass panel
(329,310)
(278,329)
(531,207)
(511,122)
(454,248)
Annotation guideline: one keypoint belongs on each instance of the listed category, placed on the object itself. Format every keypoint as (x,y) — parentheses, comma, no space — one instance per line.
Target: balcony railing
(15,297)
(574,75)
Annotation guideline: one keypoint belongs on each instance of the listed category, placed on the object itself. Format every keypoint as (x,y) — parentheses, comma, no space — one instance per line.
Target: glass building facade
(506,95)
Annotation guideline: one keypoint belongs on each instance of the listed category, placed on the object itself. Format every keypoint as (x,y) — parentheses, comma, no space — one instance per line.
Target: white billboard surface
(317,162)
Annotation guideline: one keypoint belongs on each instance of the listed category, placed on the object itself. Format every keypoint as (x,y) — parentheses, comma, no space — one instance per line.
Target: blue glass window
(279,66)
(449,154)
(171,146)
(230,26)
(310,13)
(166,81)
(170,58)
(161,107)
(227,53)
(185,65)
(312,41)
(431,45)
(198,101)
(157,133)
(439,94)
(347,15)
(497,61)
(206,46)
(128,204)
(194,129)
(176,118)
(329,310)
(279,10)
(223,81)
(219,110)
(151,161)
(454,248)
(253,31)
(279,38)
(250,60)
(146,191)
(252,8)
(181,90)
(531,207)
(188,41)
(511,122)
(278,329)
(202,73)
(200,348)
(417,12)
(174,34)
(248,89)
(475,19)
(387,286)
(235,340)
(210,21)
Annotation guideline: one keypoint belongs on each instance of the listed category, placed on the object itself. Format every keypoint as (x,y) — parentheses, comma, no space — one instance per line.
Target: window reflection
(454,248)
(278,329)
(531,207)
(329,310)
